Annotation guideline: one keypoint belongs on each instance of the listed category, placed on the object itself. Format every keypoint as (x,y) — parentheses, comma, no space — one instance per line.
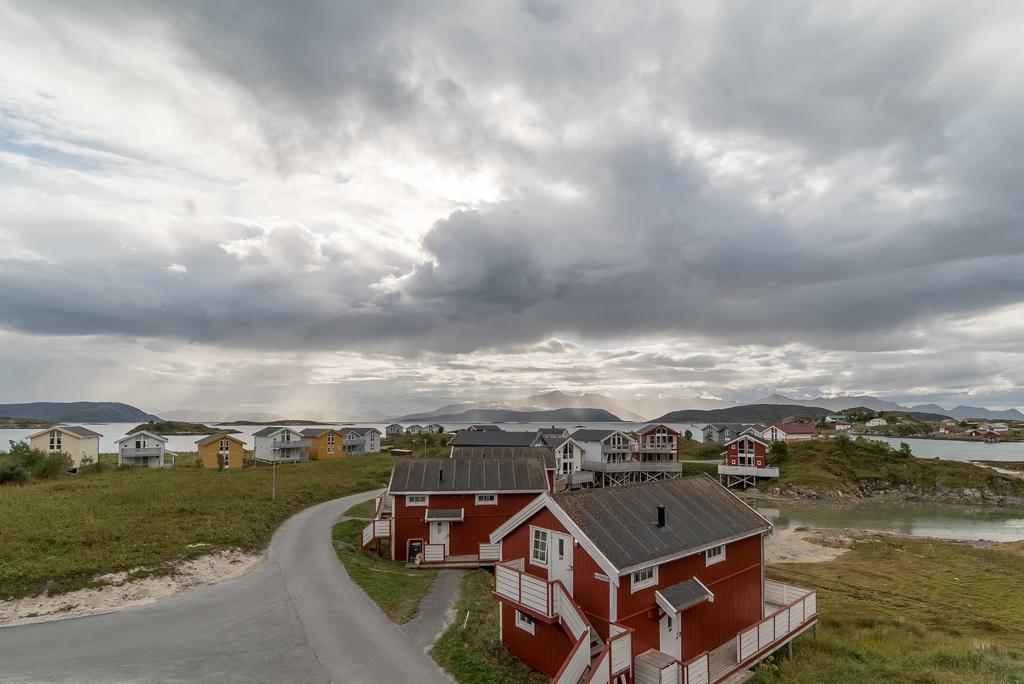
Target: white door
(561,560)
(669,629)
(439,534)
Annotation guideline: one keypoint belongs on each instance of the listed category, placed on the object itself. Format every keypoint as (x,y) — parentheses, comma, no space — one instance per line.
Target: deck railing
(697,671)
(799,608)
(377,529)
(630,466)
(767,471)
(615,658)
(433,553)
(489,552)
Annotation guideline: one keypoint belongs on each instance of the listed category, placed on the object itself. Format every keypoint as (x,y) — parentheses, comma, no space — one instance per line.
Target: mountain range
(876,404)
(562,415)
(547,401)
(78,412)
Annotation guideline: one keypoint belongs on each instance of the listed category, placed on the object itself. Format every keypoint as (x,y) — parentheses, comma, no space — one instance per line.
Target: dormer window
(416,500)
(716,554)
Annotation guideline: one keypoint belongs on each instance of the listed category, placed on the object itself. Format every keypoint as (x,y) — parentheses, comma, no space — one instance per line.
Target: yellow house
(326,443)
(213,448)
(74,440)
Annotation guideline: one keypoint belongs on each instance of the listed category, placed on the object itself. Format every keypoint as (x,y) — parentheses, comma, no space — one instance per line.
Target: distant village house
(74,440)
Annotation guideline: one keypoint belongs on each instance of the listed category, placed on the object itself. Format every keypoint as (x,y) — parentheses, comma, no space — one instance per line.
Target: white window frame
(636,585)
(716,554)
(486,499)
(420,500)
(525,622)
(533,548)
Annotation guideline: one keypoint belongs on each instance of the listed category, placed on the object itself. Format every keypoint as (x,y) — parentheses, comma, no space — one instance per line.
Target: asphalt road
(296,618)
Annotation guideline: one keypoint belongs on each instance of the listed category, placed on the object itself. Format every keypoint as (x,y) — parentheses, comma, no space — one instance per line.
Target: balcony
(654,449)
(632,466)
(292,444)
(574,479)
(142,452)
(748,471)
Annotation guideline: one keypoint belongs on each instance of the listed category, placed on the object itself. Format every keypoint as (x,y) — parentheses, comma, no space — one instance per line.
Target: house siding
(318,450)
(735,582)
(544,650)
(517,544)
(77,448)
(208,455)
(464,537)
(760,454)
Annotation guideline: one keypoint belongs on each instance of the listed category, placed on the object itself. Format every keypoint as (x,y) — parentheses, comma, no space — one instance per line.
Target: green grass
(470,649)
(364,510)
(397,589)
(420,445)
(830,464)
(911,610)
(56,536)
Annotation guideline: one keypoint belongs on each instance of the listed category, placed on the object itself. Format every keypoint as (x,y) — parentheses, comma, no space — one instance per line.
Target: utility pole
(424,448)
(273,481)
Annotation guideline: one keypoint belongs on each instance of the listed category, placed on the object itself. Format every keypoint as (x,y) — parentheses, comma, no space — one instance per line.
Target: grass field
(56,536)
(364,510)
(421,445)
(397,589)
(470,649)
(830,464)
(911,610)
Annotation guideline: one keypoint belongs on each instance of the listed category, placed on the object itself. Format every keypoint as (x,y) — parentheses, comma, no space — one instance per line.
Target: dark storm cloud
(613,222)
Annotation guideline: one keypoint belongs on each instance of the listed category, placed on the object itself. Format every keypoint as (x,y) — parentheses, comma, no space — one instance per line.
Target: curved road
(296,618)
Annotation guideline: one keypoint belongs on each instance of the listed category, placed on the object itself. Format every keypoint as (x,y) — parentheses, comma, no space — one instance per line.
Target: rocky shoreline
(876,491)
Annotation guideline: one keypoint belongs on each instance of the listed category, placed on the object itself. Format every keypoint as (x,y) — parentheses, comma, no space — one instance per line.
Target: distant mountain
(78,412)
(562,415)
(537,402)
(834,403)
(967,412)
(930,408)
(214,416)
(751,413)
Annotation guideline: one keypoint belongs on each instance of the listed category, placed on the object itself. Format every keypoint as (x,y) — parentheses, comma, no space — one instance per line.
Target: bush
(52,465)
(25,456)
(778,453)
(12,472)
(88,466)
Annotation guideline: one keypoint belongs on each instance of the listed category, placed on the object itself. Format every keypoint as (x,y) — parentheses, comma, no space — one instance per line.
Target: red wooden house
(744,460)
(661,582)
(443,510)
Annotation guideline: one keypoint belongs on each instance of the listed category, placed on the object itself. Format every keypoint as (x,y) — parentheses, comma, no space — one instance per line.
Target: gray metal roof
(315,431)
(358,430)
(592,435)
(79,430)
(484,427)
(685,594)
(493,438)
(443,514)
(424,475)
(267,431)
(621,521)
(652,426)
(545,454)
(218,436)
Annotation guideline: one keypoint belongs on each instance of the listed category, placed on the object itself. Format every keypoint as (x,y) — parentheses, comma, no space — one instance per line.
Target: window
(524,622)
(416,500)
(486,499)
(645,577)
(715,554)
(55,440)
(539,549)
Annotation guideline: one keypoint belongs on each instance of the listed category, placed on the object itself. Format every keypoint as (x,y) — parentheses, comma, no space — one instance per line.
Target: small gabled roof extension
(468,475)
(217,436)
(493,438)
(76,430)
(147,433)
(679,597)
(592,435)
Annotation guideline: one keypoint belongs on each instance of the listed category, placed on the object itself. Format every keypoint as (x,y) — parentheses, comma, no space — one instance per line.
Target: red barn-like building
(661,581)
(443,510)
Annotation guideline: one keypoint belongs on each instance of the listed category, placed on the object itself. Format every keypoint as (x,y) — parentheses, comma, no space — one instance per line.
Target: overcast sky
(339,208)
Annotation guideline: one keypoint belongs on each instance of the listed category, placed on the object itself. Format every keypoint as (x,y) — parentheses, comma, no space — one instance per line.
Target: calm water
(951,450)
(962,523)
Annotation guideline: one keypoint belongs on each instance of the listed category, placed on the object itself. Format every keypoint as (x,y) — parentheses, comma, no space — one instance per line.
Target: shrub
(52,465)
(11,472)
(778,453)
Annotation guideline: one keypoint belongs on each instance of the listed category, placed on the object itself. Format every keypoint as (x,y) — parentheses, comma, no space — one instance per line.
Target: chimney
(440,474)
(661,516)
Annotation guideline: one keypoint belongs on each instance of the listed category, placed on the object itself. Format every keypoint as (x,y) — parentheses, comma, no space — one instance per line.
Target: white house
(74,440)
(434,429)
(789,432)
(362,440)
(414,430)
(145,449)
(280,444)
(394,429)
(877,422)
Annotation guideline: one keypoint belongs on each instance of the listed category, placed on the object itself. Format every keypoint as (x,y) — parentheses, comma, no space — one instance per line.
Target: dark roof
(647,428)
(554,441)
(416,475)
(358,430)
(621,521)
(545,454)
(443,514)
(493,438)
(591,435)
(267,431)
(795,428)
(485,427)
(551,431)
(216,437)
(685,594)
(79,430)
(315,431)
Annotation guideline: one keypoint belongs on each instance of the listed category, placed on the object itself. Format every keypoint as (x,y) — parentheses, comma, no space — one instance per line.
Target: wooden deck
(467,561)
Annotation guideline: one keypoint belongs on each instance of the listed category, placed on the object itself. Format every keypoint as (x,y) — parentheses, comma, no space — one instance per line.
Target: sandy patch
(122,592)
(807,546)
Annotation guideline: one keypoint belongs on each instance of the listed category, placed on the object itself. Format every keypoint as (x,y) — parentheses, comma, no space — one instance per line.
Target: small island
(173,427)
